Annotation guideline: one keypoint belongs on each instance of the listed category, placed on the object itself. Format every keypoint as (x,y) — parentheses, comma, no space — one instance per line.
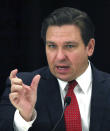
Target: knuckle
(16,88)
(20,80)
(16,81)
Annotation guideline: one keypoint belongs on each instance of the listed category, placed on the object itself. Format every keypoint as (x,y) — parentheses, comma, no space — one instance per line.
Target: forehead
(63,32)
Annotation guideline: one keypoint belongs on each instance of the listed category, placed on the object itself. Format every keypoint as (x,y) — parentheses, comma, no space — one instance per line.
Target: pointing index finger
(13,73)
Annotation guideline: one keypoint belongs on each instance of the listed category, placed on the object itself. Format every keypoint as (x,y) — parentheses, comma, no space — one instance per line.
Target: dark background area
(20,24)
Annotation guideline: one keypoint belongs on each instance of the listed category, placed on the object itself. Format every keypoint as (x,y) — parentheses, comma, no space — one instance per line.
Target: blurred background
(20,24)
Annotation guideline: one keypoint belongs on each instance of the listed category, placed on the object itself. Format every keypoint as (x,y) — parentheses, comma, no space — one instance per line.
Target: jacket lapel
(97,100)
(54,103)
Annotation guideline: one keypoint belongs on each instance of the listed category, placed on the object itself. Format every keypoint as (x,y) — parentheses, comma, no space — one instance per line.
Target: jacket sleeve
(6,110)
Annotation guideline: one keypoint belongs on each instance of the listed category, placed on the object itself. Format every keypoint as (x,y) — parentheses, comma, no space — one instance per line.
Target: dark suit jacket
(49,105)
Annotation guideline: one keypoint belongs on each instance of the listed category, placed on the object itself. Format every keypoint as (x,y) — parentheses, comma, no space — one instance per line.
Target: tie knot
(72,84)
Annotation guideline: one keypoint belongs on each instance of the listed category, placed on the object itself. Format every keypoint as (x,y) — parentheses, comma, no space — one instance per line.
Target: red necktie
(72,113)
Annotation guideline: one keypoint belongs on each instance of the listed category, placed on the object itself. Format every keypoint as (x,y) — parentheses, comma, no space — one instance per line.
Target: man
(39,96)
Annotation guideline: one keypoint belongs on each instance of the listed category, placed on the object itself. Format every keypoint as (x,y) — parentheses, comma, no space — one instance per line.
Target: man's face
(67,55)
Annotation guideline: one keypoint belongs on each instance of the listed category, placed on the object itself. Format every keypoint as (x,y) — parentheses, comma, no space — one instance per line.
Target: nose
(61,55)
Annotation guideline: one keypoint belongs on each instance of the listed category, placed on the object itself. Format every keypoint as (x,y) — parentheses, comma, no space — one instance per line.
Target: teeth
(61,68)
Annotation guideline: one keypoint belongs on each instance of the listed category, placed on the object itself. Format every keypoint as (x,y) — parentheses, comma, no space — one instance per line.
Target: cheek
(50,58)
(77,58)
(51,62)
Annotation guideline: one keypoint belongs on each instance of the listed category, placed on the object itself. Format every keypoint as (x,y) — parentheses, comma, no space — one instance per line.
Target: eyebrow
(50,42)
(66,42)
(71,42)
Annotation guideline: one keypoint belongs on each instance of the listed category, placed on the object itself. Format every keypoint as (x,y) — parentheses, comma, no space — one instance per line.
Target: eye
(69,46)
(51,46)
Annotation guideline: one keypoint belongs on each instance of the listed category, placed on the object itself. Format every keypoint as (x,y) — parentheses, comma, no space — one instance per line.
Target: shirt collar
(63,84)
(83,80)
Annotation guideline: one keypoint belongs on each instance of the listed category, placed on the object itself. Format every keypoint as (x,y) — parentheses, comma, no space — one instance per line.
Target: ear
(90,47)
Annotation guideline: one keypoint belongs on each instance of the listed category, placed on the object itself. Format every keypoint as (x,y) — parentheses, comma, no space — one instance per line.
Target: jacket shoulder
(28,76)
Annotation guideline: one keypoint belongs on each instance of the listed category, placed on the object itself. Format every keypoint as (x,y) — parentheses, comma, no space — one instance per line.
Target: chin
(63,78)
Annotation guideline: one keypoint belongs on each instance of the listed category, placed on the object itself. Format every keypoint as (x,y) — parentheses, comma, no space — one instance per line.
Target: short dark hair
(70,16)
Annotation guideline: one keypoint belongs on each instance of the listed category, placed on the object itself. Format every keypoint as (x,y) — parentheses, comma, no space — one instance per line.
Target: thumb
(35,82)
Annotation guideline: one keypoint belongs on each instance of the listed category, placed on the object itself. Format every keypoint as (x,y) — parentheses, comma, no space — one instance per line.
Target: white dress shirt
(83,93)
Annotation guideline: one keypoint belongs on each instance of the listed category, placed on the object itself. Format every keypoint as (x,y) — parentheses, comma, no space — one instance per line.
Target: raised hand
(22,96)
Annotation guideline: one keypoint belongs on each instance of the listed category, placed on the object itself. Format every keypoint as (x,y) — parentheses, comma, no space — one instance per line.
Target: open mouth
(62,69)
